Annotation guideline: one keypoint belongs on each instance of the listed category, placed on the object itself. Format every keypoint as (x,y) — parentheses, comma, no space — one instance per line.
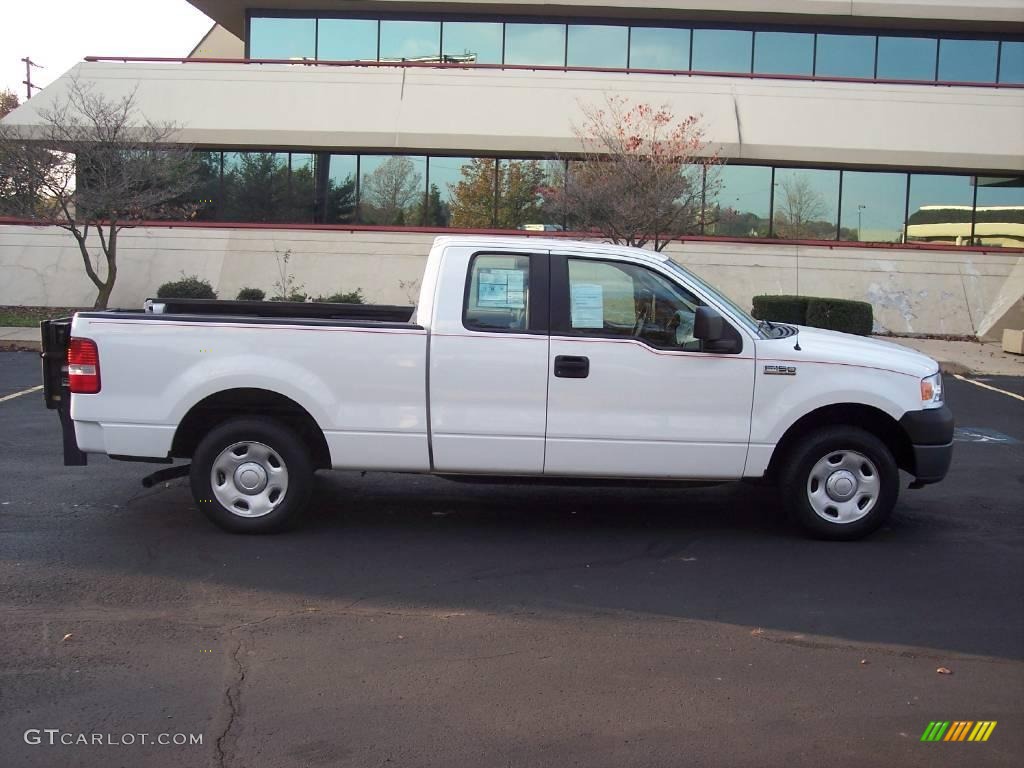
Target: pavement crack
(227,740)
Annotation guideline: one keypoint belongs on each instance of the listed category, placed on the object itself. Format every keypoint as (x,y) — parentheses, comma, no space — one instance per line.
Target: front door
(630,393)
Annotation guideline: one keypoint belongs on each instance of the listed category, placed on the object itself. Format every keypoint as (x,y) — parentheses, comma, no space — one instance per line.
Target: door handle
(571,367)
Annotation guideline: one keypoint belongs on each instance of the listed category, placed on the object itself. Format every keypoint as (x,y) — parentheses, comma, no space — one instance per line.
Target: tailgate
(56,335)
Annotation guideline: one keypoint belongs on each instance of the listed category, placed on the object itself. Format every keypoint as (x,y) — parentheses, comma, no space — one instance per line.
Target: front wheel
(840,483)
(251,475)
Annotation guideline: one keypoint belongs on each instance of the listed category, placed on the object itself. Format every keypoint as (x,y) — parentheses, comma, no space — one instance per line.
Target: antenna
(796,344)
(27,82)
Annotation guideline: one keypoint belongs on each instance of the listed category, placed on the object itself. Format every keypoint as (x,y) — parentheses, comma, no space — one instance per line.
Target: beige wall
(489,111)
(218,43)
(913,291)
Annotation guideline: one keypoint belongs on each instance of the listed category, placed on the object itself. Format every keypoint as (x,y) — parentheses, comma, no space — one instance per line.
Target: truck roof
(581,247)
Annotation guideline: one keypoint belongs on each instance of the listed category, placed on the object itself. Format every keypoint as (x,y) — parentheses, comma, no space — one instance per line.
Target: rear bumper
(931,437)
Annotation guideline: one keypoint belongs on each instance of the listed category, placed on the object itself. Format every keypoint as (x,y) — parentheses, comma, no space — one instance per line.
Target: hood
(824,346)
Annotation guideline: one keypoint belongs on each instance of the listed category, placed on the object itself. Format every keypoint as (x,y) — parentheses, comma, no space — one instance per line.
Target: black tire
(284,448)
(827,445)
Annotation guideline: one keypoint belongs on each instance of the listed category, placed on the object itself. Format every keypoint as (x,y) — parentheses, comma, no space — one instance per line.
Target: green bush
(352,297)
(840,315)
(293,296)
(188,287)
(781,309)
(250,294)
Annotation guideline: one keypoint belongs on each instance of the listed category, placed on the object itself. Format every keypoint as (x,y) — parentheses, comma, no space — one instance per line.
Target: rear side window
(498,293)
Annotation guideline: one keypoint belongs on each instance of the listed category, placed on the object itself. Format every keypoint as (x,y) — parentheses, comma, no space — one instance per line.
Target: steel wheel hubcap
(843,486)
(249,479)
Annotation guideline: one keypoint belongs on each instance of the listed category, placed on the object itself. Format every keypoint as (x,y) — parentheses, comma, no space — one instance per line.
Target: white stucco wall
(913,291)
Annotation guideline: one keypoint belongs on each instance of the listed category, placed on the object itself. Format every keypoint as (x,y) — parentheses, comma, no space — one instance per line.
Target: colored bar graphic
(958,730)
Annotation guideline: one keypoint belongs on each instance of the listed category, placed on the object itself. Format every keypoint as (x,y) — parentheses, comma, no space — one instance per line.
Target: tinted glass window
(466,187)
(597,46)
(784,53)
(737,201)
(999,219)
(806,204)
(340,205)
(657,48)
(347,40)
(940,208)
(255,186)
(520,194)
(391,189)
(498,295)
(968,61)
(540,44)
(906,58)
(206,195)
(472,41)
(721,50)
(629,301)
(846,56)
(282,38)
(411,40)
(1011,62)
(873,207)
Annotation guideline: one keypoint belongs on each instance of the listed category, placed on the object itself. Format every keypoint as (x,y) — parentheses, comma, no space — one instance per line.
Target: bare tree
(94,163)
(801,210)
(641,175)
(391,189)
(8,102)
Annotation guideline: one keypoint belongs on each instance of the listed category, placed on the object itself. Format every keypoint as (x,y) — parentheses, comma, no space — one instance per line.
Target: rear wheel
(251,475)
(840,483)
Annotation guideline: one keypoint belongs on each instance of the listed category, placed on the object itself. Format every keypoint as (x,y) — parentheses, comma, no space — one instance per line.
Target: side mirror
(708,324)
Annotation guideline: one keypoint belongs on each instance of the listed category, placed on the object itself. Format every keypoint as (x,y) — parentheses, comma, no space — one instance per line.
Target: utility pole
(28,76)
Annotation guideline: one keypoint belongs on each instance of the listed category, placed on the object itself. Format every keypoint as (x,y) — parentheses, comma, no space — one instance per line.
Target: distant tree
(390,190)
(521,187)
(341,201)
(472,203)
(437,213)
(94,163)
(8,102)
(641,174)
(255,186)
(801,212)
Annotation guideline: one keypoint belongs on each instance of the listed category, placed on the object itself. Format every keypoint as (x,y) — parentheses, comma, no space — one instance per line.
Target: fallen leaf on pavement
(944,671)
(66,637)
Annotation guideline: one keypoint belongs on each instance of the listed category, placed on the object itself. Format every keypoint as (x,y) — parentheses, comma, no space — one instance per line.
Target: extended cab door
(631,394)
(488,362)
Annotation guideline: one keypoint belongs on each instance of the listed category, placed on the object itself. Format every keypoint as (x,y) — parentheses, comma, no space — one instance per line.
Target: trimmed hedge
(250,294)
(840,315)
(781,309)
(352,297)
(189,287)
(832,314)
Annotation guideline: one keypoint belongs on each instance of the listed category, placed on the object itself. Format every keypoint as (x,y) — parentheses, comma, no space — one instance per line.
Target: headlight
(931,391)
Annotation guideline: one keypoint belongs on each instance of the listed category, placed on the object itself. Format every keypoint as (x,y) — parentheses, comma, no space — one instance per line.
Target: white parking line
(988,386)
(23,392)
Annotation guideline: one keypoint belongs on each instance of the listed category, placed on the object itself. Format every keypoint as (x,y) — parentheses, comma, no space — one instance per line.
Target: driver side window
(619,300)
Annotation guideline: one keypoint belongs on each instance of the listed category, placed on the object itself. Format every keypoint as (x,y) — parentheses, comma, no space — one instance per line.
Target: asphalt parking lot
(417,622)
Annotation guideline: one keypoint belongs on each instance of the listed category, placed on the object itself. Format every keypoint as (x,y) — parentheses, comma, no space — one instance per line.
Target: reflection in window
(940,209)
(968,61)
(721,50)
(340,205)
(1011,62)
(476,42)
(300,202)
(597,46)
(410,40)
(784,53)
(873,207)
(738,201)
(999,218)
(391,189)
(521,185)
(466,186)
(347,40)
(273,38)
(658,48)
(255,186)
(846,56)
(806,203)
(539,44)
(206,196)
(906,58)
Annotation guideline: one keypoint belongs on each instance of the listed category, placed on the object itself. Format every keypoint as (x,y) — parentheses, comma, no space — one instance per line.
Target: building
(898,127)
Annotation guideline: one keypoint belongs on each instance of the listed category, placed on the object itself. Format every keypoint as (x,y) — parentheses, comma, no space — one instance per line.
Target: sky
(59,33)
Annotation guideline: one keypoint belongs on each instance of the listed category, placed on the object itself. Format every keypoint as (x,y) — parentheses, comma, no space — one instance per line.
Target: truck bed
(295,310)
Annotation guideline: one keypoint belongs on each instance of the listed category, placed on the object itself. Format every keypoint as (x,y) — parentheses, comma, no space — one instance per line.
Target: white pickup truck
(525,358)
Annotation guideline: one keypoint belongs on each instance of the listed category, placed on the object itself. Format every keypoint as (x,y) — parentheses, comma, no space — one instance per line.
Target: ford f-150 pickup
(524,358)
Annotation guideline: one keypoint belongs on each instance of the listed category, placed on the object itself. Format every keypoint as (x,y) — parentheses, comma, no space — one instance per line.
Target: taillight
(83,367)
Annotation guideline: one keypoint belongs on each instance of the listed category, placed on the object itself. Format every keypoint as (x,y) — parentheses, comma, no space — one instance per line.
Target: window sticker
(501,289)
(587,305)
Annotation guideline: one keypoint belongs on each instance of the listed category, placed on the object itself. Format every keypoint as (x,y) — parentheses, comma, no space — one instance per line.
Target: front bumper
(931,438)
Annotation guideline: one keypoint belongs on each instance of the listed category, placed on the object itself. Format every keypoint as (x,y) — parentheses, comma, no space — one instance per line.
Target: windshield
(709,290)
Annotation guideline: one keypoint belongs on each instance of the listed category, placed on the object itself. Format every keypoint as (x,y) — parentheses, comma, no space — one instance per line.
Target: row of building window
(920,57)
(484,192)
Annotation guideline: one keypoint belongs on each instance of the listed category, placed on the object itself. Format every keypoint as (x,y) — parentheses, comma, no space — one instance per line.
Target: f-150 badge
(780,370)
